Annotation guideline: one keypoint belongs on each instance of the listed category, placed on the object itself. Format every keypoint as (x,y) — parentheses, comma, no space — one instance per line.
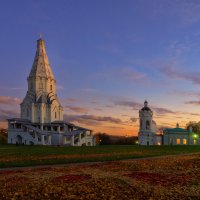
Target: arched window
(184,141)
(55,115)
(147,125)
(51,88)
(178,141)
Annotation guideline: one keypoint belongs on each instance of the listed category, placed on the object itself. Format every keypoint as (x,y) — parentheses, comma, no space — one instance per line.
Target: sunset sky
(107,57)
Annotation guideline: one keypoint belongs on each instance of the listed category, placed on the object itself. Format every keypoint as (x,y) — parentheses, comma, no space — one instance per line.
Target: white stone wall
(26,138)
(146,138)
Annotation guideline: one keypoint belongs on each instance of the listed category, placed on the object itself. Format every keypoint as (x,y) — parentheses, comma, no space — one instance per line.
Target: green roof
(176,130)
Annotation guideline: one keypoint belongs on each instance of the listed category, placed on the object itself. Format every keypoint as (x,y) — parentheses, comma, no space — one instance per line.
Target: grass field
(18,156)
(176,177)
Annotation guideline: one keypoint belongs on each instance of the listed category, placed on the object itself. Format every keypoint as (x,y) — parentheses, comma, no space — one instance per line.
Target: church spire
(41,67)
(41,104)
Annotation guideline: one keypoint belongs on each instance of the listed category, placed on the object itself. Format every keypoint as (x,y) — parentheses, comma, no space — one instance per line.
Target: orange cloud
(9,100)
(77,109)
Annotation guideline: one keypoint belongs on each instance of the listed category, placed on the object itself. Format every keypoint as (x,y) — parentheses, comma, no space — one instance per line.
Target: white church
(41,121)
(171,136)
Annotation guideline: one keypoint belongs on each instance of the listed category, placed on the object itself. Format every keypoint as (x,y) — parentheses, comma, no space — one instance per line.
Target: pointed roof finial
(40,35)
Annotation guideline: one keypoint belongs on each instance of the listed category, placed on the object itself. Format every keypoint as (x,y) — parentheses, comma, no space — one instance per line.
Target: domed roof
(146,108)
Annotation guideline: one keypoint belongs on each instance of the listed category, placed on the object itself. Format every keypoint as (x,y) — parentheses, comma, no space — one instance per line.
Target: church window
(55,115)
(178,141)
(184,141)
(147,125)
(51,87)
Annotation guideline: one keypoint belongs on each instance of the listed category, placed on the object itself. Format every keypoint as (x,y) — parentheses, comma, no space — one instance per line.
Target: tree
(103,139)
(195,126)
(3,136)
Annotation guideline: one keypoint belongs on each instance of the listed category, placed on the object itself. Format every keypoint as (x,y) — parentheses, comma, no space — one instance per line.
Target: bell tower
(41,104)
(146,130)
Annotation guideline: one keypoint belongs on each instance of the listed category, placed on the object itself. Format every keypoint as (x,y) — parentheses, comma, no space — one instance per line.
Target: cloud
(123,73)
(90,119)
(109,106)
(189,12)
(5,114)
(133,119)
(183,12)
(130,74)
(69,100)
(9,100)
(134,105)
(98,109)
(137,106)
(197,103)
(173,73)
(94,102)
(178,48)
(77,109)
(185,93)
(163,111)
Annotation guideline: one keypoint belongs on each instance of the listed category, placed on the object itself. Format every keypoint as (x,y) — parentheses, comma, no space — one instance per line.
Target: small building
(171,136)
(180,136)
(41,119)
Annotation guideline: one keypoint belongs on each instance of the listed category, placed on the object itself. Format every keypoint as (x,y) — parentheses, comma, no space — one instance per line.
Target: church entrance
(19,139)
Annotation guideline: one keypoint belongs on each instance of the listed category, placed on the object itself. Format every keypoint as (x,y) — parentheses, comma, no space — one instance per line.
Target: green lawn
(15,156)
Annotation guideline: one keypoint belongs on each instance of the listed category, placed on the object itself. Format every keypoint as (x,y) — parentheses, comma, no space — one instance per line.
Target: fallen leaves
(157,178)
(72,178)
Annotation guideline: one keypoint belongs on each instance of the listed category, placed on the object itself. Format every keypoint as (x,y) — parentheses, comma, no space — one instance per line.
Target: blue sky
(107,58)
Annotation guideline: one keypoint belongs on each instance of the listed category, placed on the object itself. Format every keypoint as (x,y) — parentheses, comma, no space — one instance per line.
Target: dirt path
(91,163)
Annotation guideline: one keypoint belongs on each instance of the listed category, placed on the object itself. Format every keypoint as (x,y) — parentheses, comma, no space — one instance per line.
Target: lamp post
(195,136)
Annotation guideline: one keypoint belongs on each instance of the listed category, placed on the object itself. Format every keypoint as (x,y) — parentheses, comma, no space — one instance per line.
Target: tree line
(3,136)
(105,139)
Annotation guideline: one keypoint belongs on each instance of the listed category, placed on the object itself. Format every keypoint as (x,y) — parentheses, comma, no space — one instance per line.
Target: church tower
(41,104)
(41,121)
(146,131)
